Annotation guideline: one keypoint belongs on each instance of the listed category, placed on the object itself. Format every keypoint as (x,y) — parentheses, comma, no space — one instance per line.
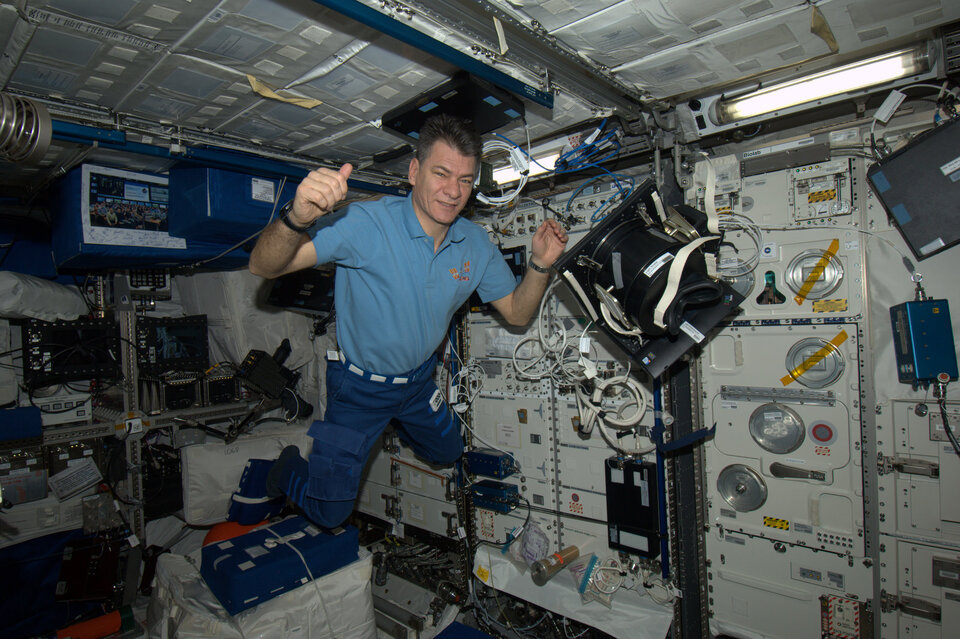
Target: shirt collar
(412,224)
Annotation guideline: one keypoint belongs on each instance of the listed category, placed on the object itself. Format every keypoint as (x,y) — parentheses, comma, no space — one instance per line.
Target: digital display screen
(180,342)
(171,344)
(122,203)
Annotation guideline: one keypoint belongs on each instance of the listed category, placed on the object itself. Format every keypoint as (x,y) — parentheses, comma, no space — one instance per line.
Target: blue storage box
(223,206)
(114,218)
(266,562)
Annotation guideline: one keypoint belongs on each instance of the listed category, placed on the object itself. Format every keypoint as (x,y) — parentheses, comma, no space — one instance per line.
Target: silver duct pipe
(25,129)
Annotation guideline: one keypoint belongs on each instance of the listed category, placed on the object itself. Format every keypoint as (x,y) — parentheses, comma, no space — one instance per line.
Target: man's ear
(412,171)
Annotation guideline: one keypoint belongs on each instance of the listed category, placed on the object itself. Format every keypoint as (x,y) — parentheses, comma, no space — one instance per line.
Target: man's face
(441,183)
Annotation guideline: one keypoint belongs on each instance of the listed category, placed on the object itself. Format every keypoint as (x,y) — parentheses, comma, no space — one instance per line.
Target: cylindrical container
(541,571)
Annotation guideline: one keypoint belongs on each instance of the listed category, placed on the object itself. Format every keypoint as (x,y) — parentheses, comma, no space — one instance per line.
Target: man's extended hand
(318,193)
(548,243)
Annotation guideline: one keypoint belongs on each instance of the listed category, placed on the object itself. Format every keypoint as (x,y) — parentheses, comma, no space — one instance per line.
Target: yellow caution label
(775,522)
(830,306)
(814,359)
(817,271)
(821,196)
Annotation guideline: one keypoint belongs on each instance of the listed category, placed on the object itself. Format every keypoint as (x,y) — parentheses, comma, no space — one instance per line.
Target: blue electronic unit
(489,463)
(923,341)
(495,495)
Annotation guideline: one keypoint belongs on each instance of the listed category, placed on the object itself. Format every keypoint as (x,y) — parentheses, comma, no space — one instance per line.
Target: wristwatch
(537,267)
(284,217)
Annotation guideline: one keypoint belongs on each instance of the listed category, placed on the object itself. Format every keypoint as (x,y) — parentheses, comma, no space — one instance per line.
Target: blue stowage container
(217,205)
(256,567)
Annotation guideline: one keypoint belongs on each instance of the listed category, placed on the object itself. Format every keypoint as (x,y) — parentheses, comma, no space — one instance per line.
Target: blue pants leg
(358,410)
(428,425)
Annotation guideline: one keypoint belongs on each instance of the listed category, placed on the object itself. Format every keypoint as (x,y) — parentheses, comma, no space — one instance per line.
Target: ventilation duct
(25,129)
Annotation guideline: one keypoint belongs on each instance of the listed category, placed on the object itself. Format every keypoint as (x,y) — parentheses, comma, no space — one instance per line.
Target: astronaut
(405,265)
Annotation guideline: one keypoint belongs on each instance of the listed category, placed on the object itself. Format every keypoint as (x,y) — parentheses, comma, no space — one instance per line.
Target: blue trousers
(359,406)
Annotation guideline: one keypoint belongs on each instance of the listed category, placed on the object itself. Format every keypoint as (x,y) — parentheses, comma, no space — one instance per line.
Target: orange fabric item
(229,530)
(94,628)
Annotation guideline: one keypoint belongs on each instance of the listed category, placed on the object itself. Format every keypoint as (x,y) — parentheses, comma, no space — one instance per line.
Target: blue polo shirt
(394,296)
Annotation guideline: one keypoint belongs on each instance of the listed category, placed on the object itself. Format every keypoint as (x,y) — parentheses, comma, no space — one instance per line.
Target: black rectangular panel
(919,186)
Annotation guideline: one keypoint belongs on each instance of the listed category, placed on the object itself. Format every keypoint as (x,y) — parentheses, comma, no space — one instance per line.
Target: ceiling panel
(633,28)
(861,23)
(728,55)
(160,21)
(60,61)
(186,65)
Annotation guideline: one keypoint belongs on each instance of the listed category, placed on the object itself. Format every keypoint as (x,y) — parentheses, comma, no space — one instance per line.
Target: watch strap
(537,267)
(285,218)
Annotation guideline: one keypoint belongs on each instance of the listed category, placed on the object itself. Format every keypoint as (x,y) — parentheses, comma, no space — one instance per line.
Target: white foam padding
(27,296)
(336,606)
(211,472)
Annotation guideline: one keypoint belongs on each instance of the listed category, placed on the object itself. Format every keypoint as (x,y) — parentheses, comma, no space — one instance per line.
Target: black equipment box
(633,507)
(486,105)
(70,350)
(919,186)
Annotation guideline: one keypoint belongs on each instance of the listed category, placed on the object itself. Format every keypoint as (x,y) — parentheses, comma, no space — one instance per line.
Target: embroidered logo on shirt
(462,273)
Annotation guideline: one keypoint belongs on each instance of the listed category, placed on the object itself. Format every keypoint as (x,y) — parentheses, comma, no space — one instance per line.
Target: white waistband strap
(373,377)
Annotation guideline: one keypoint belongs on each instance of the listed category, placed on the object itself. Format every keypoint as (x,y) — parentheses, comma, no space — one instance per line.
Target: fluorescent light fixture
(539,166)
(850,77)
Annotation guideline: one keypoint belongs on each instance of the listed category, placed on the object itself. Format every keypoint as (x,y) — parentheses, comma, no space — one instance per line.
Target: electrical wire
(323,603)
(601,580)
(519,161)
(941,101)
(567,634)
(469,382)
(592,413)
(942,403)
(554,362)
(523,527)
(585,154)
(736,222)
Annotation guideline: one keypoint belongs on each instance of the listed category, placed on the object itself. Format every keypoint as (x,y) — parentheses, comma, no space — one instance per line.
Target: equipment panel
(785,461)
(780,591)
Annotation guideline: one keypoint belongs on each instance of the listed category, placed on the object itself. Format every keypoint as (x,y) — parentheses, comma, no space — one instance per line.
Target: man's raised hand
(318,193)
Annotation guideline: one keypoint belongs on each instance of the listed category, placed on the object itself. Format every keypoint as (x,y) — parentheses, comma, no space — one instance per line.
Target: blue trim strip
(408,35)
(661,484)
(85,134)
(216,158)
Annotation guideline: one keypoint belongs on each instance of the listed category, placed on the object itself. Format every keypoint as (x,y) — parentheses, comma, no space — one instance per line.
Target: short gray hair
(456,131)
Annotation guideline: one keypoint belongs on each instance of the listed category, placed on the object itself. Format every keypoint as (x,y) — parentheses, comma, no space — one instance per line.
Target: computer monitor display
(166,344)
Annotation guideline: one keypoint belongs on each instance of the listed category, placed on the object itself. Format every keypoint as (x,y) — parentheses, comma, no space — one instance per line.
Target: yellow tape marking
(817,271)
(830,306)
(814,359)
